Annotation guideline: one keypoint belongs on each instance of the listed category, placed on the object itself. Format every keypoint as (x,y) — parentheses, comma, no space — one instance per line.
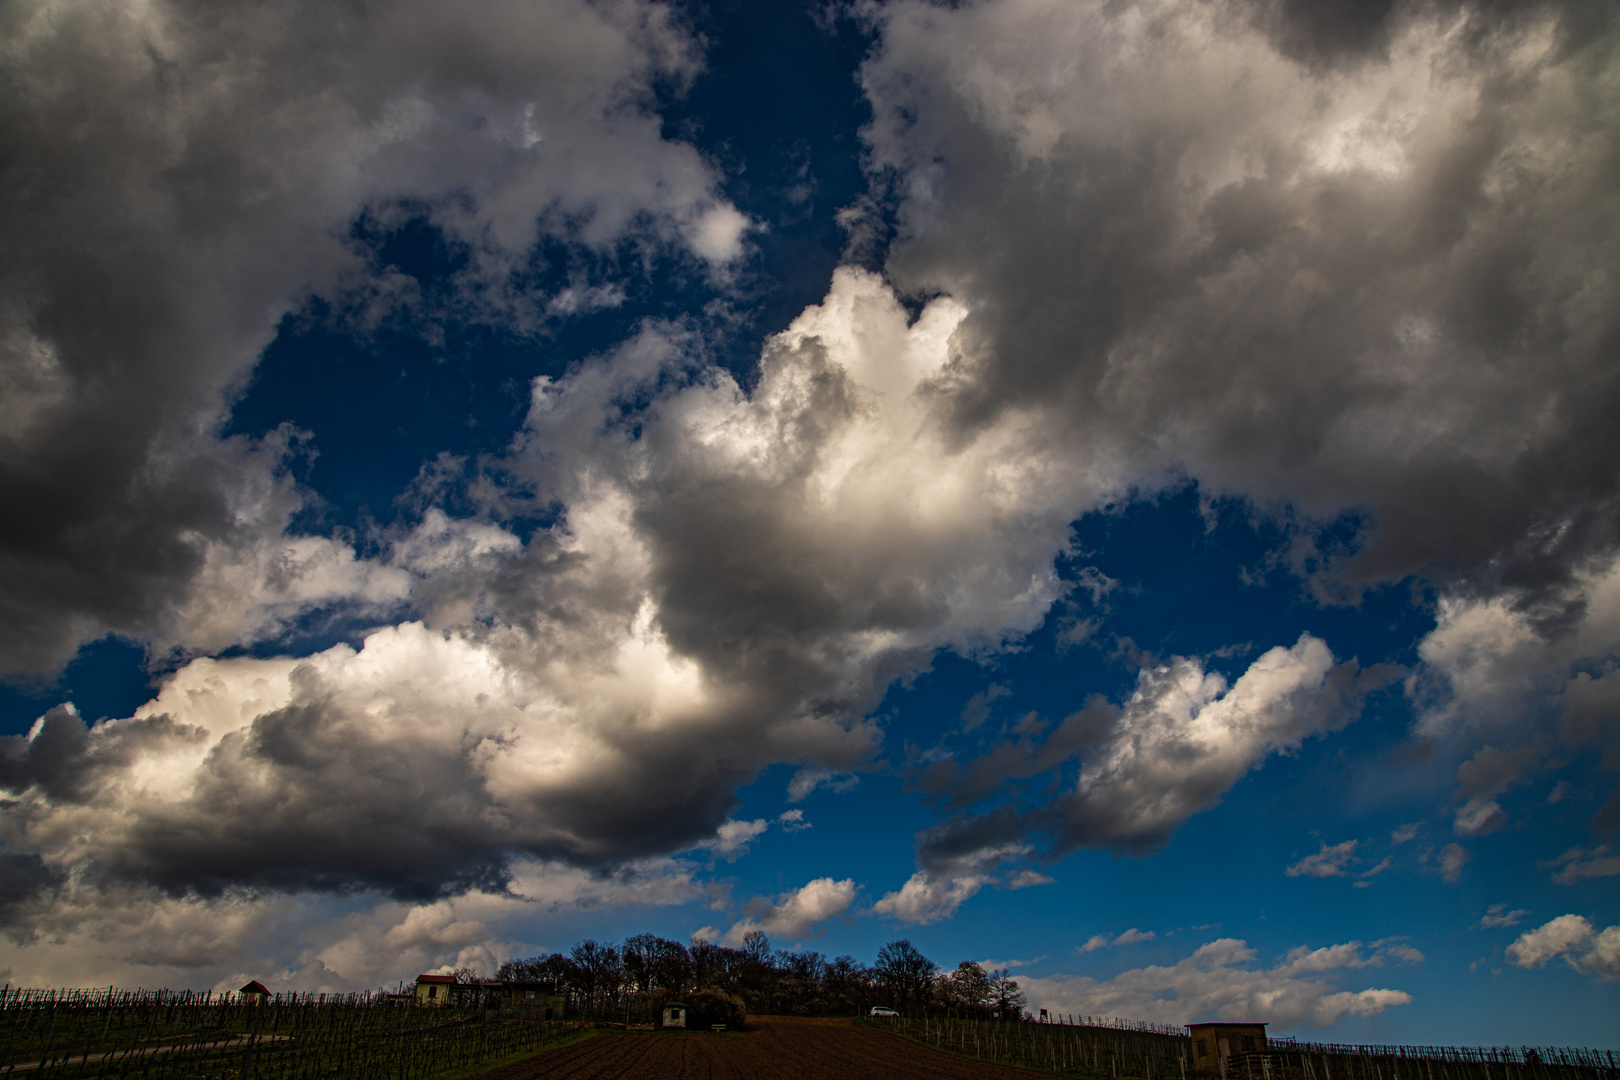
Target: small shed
(674,1014)
(1216,1044)
(434,989)
(255,992)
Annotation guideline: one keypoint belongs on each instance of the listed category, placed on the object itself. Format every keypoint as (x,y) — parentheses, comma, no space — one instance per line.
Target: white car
(879,1010)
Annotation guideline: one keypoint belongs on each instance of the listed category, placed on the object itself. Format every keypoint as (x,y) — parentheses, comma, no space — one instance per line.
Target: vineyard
(1114,1051)
(1111,1050)
(165,1035)
(1289,1060)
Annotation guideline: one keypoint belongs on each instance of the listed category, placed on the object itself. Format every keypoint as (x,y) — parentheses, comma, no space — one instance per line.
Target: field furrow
(774,1049)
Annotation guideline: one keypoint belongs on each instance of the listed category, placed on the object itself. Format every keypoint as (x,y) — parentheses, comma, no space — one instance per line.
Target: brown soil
(775,1047)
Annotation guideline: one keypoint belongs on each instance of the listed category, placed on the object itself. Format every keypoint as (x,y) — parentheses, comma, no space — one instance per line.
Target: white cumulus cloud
(1572,937)
(929,898)
(1128,937)
(1331,861)
(1181,740)
(1454,859)
(795,914)
(1221,981)
(1498,916)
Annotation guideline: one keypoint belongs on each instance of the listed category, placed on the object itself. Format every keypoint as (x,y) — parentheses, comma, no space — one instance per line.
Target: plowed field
(775,1048)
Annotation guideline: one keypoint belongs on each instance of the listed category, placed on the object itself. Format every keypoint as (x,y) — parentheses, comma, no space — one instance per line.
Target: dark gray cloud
(25,881)
(326,785)
(1334,259)
(1024,757)
(1376,288)
(1353,260)
(1330,30)
(59,759)
(178,176)
(732,587)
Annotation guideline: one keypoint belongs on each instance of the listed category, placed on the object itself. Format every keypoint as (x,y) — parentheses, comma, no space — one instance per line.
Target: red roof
(420,979)
(254,987)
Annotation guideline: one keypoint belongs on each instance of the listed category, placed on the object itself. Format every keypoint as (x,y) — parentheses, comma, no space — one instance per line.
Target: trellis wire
(188,1035)
(1104,1048)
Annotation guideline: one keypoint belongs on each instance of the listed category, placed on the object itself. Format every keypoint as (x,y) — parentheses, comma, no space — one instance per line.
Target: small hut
(674,1014)
(434,989)
(1219,1046)
(254,993)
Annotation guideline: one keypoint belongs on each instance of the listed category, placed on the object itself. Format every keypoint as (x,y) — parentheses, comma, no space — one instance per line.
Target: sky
(1127,491)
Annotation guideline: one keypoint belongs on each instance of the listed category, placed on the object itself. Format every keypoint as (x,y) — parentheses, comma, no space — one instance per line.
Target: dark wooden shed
(1217,1044)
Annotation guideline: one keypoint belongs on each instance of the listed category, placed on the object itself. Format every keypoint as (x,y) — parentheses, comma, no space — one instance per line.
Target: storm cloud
(1375,287)
(734,587)
(178,176)
(1347,262)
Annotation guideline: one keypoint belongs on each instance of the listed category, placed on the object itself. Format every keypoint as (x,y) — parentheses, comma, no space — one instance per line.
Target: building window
(433,991)
(528,993)
(1200,1045)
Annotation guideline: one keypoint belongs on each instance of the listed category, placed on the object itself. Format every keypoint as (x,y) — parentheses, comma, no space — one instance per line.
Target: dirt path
(776,1048)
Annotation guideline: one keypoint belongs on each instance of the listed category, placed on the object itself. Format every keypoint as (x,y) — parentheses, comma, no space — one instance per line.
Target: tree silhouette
(905,973)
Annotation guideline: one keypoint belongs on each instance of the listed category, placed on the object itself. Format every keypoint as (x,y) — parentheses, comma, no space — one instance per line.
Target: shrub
(705,1008)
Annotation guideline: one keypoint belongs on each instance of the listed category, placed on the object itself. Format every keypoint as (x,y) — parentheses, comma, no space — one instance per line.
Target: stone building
(1218,1046)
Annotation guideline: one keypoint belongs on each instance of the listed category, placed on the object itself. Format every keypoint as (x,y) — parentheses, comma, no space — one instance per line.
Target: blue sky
(1127,492)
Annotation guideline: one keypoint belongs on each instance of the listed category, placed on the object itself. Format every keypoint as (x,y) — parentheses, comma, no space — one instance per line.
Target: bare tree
(967,989)
(705,956)
(848,985)
(1005,997)
(757,946)
(671,965)
(905,973)
(637,954)
(600,969)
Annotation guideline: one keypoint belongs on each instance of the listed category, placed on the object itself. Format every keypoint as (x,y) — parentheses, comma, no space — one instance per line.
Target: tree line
(601,976)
